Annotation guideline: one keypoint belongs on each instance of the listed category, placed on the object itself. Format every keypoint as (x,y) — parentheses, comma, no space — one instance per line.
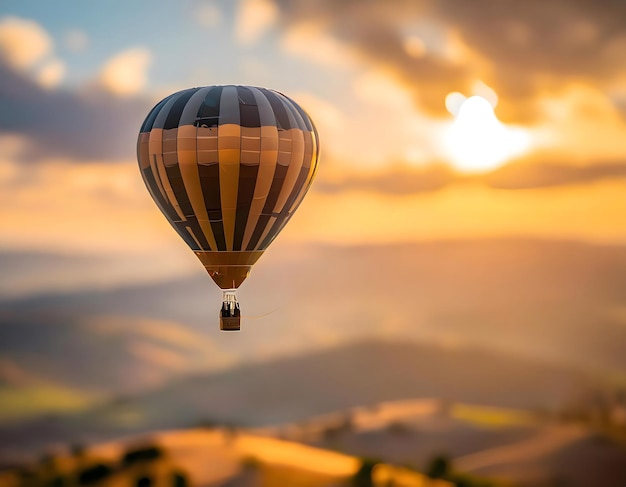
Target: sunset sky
(406,153)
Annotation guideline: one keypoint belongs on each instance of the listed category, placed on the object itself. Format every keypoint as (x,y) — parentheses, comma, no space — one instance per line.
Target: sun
(477,141)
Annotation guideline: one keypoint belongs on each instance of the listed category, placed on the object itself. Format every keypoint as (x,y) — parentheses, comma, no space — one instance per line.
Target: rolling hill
(296,388)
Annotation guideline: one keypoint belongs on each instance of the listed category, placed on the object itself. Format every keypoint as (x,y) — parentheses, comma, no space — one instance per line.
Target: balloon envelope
(228,166)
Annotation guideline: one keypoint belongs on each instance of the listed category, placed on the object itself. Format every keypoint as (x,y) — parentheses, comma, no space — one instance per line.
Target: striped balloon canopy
(228,166)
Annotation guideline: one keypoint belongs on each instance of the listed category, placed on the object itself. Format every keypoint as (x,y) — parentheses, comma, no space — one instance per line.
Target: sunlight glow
(477,140)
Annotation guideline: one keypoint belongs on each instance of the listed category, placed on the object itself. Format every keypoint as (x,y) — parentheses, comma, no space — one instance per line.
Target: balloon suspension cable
(230,314)
(261,315)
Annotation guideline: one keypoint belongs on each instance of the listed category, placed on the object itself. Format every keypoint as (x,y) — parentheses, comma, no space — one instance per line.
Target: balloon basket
(230,314)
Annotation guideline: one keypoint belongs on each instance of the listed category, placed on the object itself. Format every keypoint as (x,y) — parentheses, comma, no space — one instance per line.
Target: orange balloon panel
(228,166)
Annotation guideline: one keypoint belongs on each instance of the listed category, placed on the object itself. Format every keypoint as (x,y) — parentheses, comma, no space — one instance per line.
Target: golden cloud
(593,212)
(310,40)
(96,207)
(254,18)
(51,73)
(125,73)
(28,48)
(23,42)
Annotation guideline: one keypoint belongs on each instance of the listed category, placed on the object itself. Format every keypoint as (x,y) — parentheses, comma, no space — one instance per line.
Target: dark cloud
(522,174)
(84,125)
(399,180)
(374,30)
(527,48)
(535,46)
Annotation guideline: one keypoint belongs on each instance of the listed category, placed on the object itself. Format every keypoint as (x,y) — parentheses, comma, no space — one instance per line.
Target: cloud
(89,124)
(26,47)
(378,88)
(330,121)
(583,121)
(521,49)
(51,73)
(540,46)
(310,40)
(23,43)
(398,180)
(593,212)
(373,31)
(116,215)
(254,18)
(126,73)
(527,173)
(524,175)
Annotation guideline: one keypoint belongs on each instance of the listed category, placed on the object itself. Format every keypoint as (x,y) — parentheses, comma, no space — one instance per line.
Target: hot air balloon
(228,166)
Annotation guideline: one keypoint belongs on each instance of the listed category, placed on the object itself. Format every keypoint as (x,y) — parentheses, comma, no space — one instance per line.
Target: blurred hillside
(556,302)
(294,389)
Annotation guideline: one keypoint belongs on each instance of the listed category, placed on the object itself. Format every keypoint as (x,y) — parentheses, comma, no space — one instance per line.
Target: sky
(439,121)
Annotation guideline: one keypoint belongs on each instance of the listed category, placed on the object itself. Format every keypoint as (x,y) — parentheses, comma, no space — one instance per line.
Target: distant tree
(58,481)
(26,476)
(347,424)
(77,450)
(462,480)
(47,460)
(207,423)
(94,474)
(439,467)
(141,455)
(251,463)
(332,432)
(143,481)
(179,479)
(363,476)
(466,480)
